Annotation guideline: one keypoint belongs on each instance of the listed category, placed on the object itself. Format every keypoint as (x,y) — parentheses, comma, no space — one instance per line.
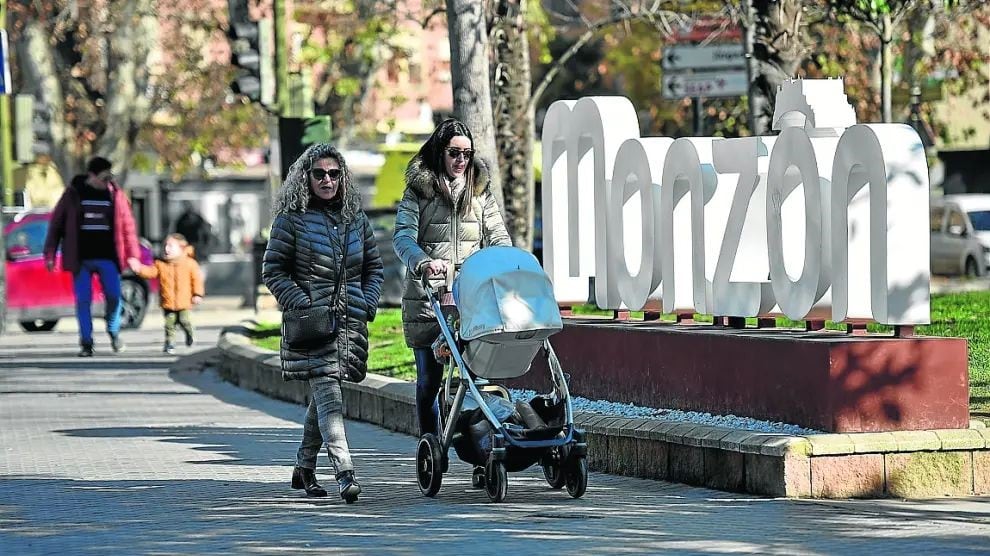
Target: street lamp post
(6,137)
(6,163)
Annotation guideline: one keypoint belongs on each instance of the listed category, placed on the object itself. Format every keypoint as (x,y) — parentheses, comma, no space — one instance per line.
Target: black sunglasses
(319,174)
(459,153)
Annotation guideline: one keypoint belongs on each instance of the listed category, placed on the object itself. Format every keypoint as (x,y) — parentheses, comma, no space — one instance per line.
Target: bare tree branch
(436,12)
(659,18)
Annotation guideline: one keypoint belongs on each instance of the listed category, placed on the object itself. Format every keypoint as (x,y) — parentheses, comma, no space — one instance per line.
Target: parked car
(37,298)
(977,210)
(955,247)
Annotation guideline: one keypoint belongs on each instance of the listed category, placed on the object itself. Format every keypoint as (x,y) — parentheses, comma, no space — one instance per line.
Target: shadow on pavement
(89,364)
(214,515)
(209,382)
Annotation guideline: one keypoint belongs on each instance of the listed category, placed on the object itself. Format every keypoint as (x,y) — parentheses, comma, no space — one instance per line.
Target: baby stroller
(503,314)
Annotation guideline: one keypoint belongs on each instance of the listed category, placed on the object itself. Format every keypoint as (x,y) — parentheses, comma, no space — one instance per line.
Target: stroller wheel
(496,481)
(429,465)
(554,475)
(552,470)
(576,477)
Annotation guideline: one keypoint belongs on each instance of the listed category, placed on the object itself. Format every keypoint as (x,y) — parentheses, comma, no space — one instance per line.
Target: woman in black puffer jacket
(318,218)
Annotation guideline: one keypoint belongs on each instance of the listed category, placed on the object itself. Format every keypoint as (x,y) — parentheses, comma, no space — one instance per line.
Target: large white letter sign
(592,130)
(638,167)
(828,219)
(882,264)
(793,163)
(681,176)
(557,188)
(740,286)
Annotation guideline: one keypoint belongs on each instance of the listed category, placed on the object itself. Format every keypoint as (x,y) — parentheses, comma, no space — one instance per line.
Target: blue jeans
(82,283)
(429,375)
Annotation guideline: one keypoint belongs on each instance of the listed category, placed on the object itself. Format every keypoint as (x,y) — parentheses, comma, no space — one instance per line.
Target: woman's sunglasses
(319,174)
(466,154)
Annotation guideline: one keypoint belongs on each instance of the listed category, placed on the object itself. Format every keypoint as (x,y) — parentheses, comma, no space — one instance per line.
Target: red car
(38,299)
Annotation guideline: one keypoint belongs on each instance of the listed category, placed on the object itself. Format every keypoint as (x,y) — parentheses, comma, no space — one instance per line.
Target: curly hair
(294,194)
(431,153)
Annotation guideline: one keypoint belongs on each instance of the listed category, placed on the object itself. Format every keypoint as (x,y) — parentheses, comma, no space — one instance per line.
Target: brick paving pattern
(118,454)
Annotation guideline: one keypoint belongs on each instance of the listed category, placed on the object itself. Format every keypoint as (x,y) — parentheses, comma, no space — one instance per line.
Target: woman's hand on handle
(435,267)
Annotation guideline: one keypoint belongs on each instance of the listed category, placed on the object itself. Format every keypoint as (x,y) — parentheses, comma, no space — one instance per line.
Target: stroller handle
(425,278)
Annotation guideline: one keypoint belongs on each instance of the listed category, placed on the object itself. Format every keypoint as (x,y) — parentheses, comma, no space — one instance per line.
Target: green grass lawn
(388,355)
(962,315)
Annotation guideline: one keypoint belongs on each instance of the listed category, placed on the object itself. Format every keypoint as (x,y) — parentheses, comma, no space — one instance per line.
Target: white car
(977,209)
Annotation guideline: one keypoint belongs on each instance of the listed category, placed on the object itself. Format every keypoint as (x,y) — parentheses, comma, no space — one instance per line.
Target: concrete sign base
(824,380)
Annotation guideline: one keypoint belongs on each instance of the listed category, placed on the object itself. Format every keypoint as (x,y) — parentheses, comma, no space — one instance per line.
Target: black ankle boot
(349,487)
(306,479)
(86,350)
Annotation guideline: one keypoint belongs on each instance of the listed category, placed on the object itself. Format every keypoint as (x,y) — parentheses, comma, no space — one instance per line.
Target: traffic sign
(929,91)
(729,83)
(708,30)
(691,57)
(5,84)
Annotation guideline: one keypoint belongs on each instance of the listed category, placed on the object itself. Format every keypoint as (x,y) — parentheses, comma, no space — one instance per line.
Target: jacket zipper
(454,245)
(345,373)
(175,283)
(343,359)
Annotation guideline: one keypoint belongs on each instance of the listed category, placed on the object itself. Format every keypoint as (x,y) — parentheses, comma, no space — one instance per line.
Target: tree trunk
(128,104)
(514,123)
(470,76)
(118,89)
(40,77)
(364,65)
(886,61)
(779,47)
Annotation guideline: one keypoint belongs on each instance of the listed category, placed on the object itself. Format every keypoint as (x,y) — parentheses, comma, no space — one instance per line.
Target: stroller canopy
(502,293)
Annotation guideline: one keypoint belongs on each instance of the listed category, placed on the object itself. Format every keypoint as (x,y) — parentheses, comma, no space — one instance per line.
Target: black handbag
(313,326)
(309,327)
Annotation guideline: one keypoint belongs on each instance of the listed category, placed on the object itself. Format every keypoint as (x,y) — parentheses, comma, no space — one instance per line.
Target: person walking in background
(93,223)
(197,231)
(320,235)
(180,287)
(447,212)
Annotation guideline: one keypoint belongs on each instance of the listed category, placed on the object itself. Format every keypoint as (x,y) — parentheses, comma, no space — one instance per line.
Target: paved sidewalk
(117,454)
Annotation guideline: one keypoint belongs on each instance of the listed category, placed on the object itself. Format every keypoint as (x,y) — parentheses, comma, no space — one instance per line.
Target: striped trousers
(325,425)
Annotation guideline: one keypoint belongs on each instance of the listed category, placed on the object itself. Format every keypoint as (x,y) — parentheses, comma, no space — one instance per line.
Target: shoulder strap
(482,236)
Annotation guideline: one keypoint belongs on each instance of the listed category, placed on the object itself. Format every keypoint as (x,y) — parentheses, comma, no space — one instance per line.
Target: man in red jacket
(94,224)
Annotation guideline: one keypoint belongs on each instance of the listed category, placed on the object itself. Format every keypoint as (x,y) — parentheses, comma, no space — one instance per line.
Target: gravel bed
(616,409)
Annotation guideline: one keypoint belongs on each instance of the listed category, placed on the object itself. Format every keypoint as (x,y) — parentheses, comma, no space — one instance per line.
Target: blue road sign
(5,84)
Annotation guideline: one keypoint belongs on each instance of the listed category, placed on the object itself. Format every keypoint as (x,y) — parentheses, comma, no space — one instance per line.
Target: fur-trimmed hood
(426,183)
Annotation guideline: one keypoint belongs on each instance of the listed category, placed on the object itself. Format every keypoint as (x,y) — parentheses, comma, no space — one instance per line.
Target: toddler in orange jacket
(180,286)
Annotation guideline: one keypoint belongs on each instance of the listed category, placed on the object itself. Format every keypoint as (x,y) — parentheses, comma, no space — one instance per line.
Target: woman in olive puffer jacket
(318,218)
(446,213)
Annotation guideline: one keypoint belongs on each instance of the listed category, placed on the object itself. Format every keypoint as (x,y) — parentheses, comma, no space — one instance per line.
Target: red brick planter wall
(823,380)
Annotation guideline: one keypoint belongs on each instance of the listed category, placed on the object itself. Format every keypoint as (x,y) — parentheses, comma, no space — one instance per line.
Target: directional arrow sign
(705,84)
(690,57)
